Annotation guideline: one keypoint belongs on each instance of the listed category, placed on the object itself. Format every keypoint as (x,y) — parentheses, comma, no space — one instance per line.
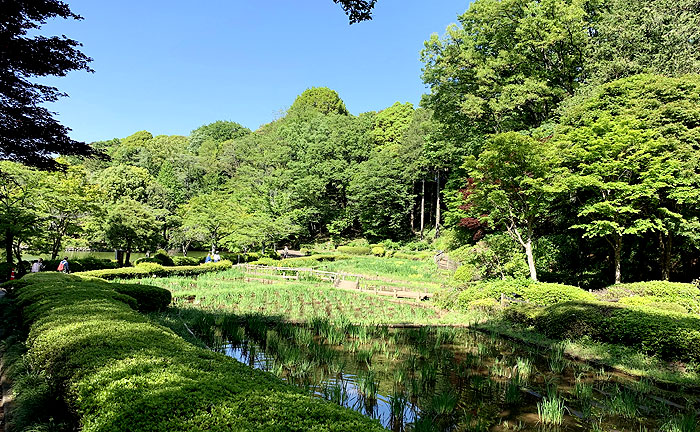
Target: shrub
(82,264)
(148,298)
(185,261)
(658,292)
(119,372)
(670,335)
(445,298)
(464,274)
(485,305)
(411,256)
(663,303)
(354,250)
(537,293)
(496,256)
(266,261)
(523,314)
(161,257)
(378,251)
(152,269)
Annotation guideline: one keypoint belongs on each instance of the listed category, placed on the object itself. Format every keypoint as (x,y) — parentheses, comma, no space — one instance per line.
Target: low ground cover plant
(117,371)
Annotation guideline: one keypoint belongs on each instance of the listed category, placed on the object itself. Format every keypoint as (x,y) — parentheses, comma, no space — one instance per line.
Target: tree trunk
(530,259)
(127,256)
(422,210)
(665,255)
(9,239)
(617,247)
(437,206)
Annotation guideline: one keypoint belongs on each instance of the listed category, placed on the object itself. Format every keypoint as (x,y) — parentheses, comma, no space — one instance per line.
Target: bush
(537,293)
(496,256)
(670,335)
(523,314)
(149,298)
(266,261)
(161,257)
(683,294)
(488,305)
(185,261)
(378,251)
(152,269)
(354,250)
(657,303)
(119,372)
(82,264)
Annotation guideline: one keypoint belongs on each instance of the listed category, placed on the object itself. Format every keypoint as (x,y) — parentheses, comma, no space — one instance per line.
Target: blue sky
(171,66)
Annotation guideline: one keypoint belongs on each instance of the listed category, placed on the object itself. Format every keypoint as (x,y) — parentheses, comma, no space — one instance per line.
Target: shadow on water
(441,379)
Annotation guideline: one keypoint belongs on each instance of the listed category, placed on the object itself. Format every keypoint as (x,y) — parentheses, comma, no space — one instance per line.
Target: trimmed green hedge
(186,261)
(306,261)
(659,292)
(148,298)
(119,372)
(82,264)
(670,335)
(153,269)
(537,293)
(355,250)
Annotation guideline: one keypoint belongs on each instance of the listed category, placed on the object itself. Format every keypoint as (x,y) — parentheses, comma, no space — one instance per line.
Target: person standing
(38,266)
(286,252)
(63,266)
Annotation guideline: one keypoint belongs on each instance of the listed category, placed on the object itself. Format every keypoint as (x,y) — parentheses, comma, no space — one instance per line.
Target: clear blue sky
(170,66)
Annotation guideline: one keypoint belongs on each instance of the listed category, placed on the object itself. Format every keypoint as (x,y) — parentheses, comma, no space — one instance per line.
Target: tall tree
(506,67)
(29,133)
(130,225)
(509,187)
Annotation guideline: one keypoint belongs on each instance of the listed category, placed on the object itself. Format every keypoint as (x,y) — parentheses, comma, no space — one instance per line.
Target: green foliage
(635,36)
(494,74)
(670,335)
(111,363)
(320,99)
(354,250)
(378,251)
(82,264)
(391,123)
(537,293)
(153,269)
(656,293)
(161,257)
(216,133)
(149,298)
(488,305)
(495,256)
(187,261)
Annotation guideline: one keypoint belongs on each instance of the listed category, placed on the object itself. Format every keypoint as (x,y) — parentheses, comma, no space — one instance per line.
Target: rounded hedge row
(537,293)
(671,335)
(655,293)
(147,269)
(355,250)
(119,372)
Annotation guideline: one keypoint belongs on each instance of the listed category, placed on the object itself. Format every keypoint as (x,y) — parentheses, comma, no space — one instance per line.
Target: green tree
(637,36)
(506,67)
(29,133)
(631,158)
(18,214)
(64,199)
(391,123)
(509,187)
(320,99)
(208,216)
(130,225)
(216,133)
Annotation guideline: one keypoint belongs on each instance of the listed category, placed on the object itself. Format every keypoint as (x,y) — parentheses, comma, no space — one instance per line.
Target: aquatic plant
(622,402)
(687,422)
(551,410)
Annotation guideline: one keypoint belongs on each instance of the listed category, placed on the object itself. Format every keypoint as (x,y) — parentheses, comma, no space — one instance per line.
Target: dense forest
(558,141)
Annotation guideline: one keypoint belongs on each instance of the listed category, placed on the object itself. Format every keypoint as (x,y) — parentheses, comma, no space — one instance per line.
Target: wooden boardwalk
(345,281)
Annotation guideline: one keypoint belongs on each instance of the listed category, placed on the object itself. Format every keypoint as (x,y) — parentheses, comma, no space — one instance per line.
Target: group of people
(215,257)
(63,266)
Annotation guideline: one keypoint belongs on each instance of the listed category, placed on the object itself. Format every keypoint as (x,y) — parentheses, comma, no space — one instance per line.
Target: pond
(446,379)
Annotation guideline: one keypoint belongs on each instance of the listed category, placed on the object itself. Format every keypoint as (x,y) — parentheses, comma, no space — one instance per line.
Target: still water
(455,380)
